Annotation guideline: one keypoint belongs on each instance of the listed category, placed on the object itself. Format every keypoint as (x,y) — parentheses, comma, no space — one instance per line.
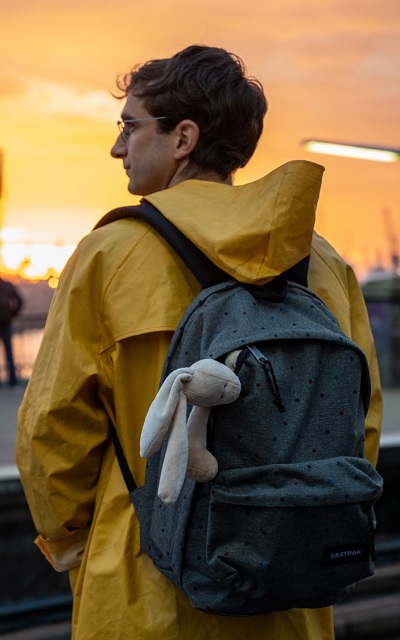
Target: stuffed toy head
(205,384)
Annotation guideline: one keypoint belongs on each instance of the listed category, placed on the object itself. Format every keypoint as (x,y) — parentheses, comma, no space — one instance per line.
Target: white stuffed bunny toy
(205,384)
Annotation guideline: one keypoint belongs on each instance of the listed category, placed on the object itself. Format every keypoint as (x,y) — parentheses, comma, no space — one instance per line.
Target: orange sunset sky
(331,69)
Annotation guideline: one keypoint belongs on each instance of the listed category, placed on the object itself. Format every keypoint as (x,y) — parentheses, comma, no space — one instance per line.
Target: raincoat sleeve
(99,364)
(62,424)
(335,282)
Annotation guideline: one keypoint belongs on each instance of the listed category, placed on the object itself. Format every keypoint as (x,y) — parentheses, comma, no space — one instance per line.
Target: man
(10,305)
(187,124)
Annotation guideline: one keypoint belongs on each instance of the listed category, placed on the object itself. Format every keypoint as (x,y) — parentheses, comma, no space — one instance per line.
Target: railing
(26,339)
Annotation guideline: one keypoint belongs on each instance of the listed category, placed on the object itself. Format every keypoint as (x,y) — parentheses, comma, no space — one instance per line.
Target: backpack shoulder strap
(122,461)
(206,272)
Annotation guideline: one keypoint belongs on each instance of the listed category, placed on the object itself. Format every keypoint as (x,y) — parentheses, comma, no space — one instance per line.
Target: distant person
(187,124)
(10,305)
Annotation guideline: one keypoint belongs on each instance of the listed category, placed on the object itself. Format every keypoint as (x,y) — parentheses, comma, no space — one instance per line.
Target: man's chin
(134,190)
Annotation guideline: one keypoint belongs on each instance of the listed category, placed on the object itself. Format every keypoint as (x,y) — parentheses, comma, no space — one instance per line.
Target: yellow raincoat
(120,298)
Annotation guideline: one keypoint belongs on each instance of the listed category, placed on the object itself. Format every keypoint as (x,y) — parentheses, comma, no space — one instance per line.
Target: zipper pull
(270,375)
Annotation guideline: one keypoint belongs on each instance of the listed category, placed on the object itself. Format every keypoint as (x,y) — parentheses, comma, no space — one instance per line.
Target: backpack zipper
(270,375)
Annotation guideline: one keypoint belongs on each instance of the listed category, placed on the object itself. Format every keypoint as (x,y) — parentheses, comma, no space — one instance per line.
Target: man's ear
(187,135)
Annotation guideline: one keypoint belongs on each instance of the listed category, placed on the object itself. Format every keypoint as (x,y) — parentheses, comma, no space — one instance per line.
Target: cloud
(64,99)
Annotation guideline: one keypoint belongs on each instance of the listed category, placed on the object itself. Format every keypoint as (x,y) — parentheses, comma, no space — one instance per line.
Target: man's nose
(119,148)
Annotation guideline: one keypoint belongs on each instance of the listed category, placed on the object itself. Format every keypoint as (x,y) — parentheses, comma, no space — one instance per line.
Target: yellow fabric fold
(259,229)
(64,554)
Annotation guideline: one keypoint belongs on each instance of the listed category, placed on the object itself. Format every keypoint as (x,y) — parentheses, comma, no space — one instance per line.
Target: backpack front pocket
(293,532)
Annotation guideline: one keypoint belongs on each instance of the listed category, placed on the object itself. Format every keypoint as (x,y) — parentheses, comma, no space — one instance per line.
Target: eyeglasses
(125,126)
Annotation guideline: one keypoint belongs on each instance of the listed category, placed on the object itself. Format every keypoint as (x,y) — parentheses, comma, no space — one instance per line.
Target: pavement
(56,631)
(10,400)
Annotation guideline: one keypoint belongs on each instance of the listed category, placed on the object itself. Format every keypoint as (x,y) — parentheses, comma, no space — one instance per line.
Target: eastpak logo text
(358,552)
(343,554)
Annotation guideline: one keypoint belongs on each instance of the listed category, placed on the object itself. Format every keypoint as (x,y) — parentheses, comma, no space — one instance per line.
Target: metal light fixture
(349,150)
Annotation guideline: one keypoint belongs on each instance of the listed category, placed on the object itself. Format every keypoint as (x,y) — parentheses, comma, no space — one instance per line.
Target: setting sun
(32,260)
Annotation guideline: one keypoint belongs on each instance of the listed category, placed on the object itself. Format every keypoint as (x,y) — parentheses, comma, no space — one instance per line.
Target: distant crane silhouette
(392,240)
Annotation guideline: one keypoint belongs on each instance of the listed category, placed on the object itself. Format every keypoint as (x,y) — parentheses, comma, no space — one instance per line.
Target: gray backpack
(288,521)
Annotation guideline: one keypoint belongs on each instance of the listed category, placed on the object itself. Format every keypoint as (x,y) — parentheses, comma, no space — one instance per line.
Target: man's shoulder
(322,248)
(125,231)
(116,242)
(326,261)
(127,251)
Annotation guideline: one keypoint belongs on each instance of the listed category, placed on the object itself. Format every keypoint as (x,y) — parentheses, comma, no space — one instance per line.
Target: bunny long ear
(197,427)
(175,462)
(161,410)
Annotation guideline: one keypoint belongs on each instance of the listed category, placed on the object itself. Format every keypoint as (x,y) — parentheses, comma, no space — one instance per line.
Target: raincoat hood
(254,231)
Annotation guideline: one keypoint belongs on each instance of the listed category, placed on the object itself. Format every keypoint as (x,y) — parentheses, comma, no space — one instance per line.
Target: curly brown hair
(209,86)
